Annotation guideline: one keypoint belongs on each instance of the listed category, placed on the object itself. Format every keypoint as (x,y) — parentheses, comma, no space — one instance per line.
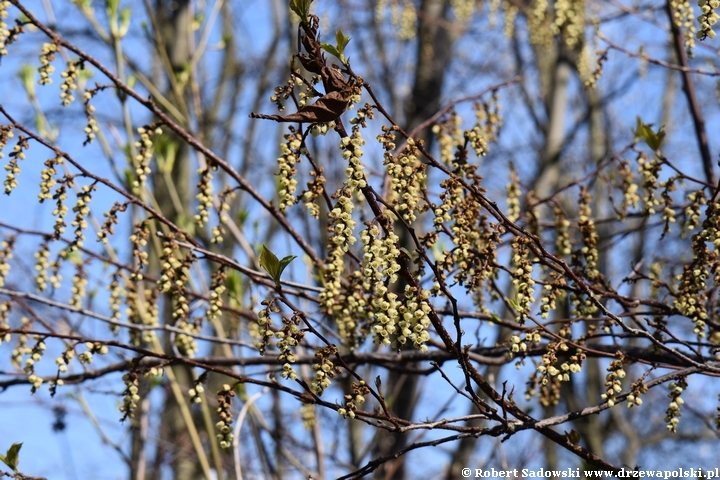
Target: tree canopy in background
(318,239)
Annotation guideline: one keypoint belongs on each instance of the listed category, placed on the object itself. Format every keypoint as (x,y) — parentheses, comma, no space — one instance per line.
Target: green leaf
(11,458)
(341,40)
(124,22)
(514,305)
(234,288)
(573,437)
(339,50)
(330,49)
(269,261)
(301,9)
(645,132)
(27,77)
(112,6)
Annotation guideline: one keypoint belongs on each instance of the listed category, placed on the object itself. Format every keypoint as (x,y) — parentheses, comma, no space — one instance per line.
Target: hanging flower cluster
(287,339)
(13,167)
(6,254)
(672,414)
(70,76)
(224,425)
(613,380)
(46,58)
(353,400)
(145,150)
(324,369)
(708,18)
(407,180)
(684,18)
(586,225)
(570,21)
(449,135)
(290,151)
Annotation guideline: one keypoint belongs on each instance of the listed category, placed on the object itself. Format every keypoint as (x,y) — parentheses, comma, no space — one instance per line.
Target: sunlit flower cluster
(513,195)
(117,292)
(546,378)
(413,321)
(224,426)
(92,126)
(69,83)
(142,309)
(521,345)
(4,32)
(139,240)
(352,152)
(613,380)
(108,227)
(61,209)
(629,189)
(21,348)
(307,413)
(223,207)
(684,18)
(47,178)
(144,154)
(79,285)
(81,210)
(650,171)
(196,393)
(379,257)
(354,399)
(5,308)
(341,238)
(287,339)
(563,246)
(36,354)
(265,333)
(592,77)
(590,237)
(549,360)
(522,277)
(708,18)
(691,298)
(407,180)
(315,189)
(692,211)
(551,293)
(404,19)
(668,214)
(324,369)
(6,254)
(638,388)
(449,135)
(672,414)
(42,263)
(474,249)
(13,167)
(569,21)
(217,289)
(488,121)
(46,58)
(131,396)
(539,25)
(511,12)
(204,196)
(6,134)
(290,151)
